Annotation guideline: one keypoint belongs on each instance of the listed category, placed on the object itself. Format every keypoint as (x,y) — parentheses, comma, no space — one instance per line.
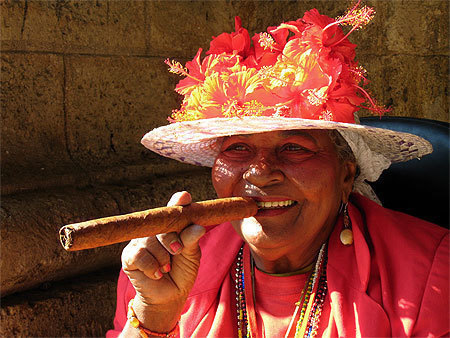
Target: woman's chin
(254,233)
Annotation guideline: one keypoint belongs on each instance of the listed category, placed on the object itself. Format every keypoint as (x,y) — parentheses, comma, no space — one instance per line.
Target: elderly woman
(275,120)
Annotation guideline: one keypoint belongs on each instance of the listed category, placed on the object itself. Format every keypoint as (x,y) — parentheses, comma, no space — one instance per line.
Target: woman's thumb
(190,238)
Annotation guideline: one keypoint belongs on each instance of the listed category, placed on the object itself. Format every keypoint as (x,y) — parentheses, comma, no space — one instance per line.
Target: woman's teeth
(275,204)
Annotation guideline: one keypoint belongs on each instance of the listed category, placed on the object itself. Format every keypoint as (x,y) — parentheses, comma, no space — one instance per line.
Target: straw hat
(299,75)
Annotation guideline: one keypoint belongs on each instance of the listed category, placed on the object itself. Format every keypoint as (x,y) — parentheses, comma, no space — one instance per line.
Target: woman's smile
(274,210)
(273,206)
(297,180)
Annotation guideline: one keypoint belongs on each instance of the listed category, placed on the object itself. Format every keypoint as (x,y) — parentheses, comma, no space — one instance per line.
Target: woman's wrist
(159,318)
(144,332)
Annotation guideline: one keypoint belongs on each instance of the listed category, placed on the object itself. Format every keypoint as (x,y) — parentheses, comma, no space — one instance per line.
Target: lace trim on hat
(371,163)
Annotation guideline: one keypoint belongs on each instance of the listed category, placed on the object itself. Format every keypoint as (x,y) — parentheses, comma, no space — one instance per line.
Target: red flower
(237,42)
(343,101)
(323,34)
(264,55)
(196,73)
(281,32)
(193,78)
(304,68)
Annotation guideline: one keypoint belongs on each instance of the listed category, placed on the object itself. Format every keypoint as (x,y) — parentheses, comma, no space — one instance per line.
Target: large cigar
(116,229)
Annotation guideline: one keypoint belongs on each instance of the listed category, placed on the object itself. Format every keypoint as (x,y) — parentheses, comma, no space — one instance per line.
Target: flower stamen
(266,41)
(356,17)
(380,110)
(176,68)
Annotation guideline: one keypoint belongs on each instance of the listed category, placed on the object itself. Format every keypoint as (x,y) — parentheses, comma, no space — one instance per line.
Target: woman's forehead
(312,134)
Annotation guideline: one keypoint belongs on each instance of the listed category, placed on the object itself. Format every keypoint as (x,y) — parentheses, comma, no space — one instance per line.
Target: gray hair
(343,150)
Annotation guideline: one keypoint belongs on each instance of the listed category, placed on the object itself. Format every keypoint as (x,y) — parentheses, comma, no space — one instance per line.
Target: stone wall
(82,81)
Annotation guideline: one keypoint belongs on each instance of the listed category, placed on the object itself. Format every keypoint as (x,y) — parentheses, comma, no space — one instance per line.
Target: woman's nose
(263,174)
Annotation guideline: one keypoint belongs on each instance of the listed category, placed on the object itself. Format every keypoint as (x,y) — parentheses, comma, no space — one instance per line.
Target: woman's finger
(148,256)
(171,242)
(159,252)
(190,237)
(143,261)
(180,198)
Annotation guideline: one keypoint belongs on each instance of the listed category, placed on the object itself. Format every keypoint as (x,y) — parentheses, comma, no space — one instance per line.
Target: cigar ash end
(65,235)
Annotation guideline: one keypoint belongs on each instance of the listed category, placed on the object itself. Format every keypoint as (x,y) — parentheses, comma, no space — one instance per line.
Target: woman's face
(297,178)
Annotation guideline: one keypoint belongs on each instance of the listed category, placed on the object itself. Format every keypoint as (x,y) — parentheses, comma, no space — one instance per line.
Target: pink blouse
(393,281)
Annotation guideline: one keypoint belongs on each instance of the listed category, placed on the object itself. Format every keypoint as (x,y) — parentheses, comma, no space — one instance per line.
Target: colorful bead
(134,322)
(143,334)
(317,277)
(346,237)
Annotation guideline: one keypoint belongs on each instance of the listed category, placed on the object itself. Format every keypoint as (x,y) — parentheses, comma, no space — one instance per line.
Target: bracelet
(134,322)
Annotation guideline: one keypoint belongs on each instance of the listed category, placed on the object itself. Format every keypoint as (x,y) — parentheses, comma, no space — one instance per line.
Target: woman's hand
(162,270)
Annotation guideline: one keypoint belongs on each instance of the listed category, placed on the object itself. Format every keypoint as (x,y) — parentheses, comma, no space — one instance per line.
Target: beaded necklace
(309,305)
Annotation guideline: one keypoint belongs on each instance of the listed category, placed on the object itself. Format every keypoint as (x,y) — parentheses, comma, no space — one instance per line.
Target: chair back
(417,187)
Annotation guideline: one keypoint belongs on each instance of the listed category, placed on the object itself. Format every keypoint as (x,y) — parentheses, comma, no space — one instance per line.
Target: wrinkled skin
(301,167)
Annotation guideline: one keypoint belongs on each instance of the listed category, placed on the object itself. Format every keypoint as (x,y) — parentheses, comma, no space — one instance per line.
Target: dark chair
(417,187)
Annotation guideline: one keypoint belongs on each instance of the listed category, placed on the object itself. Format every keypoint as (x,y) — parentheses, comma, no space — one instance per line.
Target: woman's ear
(348,177)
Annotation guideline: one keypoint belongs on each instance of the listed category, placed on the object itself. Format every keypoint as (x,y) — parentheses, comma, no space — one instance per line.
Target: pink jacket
(393,281)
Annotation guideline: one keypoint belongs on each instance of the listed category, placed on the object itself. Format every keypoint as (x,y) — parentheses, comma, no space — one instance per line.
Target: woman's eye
(236,151)
(236,147)
(294,148)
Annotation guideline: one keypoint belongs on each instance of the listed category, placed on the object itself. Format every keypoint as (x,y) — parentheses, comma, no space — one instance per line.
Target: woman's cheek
(224,177)
(312,179)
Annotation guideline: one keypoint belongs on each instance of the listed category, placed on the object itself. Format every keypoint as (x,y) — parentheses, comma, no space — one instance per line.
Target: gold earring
(346,233)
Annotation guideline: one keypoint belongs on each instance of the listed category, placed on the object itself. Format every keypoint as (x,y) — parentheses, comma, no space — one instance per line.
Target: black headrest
(417,187)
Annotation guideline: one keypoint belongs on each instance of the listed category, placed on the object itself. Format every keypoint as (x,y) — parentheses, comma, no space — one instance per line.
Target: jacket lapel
(353,312)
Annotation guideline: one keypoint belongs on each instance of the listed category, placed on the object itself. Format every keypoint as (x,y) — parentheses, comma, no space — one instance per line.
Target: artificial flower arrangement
(304,69)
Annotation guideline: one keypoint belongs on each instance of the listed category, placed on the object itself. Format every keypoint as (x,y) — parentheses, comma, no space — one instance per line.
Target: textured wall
(82,81)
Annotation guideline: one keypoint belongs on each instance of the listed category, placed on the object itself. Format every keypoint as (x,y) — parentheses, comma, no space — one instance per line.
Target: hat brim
(195,142)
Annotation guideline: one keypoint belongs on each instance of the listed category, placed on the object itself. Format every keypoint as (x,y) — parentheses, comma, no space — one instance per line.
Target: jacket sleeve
(433,317)
(125,292)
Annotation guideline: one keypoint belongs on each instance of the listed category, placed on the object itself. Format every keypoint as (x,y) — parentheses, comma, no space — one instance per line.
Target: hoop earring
(346,235)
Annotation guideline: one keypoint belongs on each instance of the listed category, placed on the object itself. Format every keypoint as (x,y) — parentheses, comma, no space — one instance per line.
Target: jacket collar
(348,274)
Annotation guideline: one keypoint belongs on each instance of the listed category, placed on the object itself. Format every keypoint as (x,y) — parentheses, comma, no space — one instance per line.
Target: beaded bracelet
(134,322)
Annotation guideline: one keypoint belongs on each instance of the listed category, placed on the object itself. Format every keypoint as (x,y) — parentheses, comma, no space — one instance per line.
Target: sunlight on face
(300,168)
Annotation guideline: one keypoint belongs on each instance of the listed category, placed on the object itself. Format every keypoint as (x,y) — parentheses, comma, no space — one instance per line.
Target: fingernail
(175,247)
(158,274)
(166,268)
